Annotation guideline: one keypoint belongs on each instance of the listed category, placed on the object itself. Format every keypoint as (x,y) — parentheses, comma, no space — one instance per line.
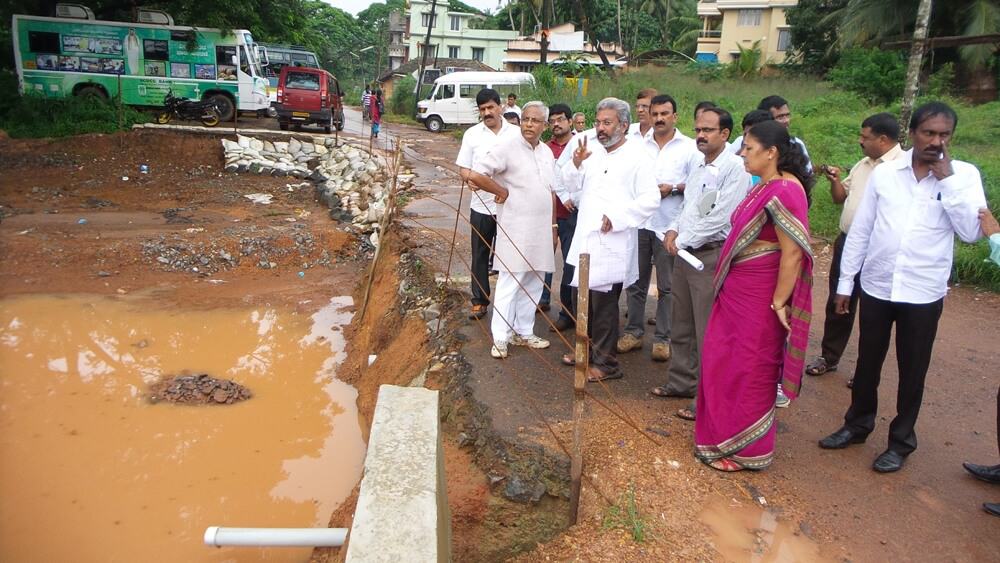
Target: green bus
(59,56)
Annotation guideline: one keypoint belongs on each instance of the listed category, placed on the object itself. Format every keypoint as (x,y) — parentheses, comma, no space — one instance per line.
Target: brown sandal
(597,375)
(726,465)
(686,414)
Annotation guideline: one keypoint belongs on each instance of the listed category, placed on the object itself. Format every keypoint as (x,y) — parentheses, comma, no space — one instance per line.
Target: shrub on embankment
(37,116)
(827,119)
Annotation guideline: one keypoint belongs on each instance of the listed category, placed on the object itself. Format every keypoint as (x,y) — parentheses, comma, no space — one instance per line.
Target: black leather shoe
(561,324)
(841,439)
(888,462)
(988,473)
(992,507)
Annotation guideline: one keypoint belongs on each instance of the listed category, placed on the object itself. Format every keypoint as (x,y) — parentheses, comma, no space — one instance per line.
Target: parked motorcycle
(183,108)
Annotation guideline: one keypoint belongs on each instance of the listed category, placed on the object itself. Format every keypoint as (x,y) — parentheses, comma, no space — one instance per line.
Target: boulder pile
(354,183)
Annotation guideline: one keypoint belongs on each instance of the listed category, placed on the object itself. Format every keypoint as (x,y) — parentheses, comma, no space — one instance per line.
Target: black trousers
(837,328)
(567,293)
(486,225)
(603,329)
(916,327)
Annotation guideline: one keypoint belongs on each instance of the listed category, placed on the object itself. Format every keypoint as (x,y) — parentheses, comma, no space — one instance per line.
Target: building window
(456,23)
(521,67)
(453,52)
(431,52)
(749,18)
(784,39)
(477,53)
(427,21)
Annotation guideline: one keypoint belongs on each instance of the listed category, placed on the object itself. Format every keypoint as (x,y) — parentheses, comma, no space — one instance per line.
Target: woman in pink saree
(758,329)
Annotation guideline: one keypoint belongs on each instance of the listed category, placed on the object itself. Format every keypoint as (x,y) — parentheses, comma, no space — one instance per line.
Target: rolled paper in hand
(690,259)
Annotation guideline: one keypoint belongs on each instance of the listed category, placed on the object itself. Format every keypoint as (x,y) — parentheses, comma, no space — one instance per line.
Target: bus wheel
(163,117)
(434,124)
(225,105)
(91,92)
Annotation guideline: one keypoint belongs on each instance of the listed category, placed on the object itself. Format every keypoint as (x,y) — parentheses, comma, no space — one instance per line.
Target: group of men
(636,195)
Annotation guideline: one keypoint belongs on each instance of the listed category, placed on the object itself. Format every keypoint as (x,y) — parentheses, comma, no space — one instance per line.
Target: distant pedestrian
(376,112)
(519,172)
(781,113)
(366,103)
(878,140)
(579,122)
(512,118)
(759,326)
(901,241)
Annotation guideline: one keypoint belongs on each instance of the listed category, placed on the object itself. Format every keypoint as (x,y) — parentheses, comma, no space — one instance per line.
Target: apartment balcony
(397,50)
(708,8)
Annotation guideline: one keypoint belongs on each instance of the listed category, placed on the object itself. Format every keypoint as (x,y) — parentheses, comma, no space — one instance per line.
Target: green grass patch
(34,116)
(626,515)
(827,119)
(400,119)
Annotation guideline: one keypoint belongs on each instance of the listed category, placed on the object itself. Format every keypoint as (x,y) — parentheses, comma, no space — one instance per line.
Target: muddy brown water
(91,471)
(755,534)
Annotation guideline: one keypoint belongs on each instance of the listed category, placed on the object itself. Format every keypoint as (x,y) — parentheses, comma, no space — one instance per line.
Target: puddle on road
(743,532)
(90,471)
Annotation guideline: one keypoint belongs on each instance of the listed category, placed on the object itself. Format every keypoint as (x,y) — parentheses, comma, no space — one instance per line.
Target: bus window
(43,42)
(470,90)
(244,62)
(445,92)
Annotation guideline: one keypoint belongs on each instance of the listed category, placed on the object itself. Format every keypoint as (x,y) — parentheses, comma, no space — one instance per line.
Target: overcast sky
(355,6)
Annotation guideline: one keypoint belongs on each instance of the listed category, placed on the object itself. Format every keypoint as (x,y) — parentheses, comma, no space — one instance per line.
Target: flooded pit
(91,471)
(743,532)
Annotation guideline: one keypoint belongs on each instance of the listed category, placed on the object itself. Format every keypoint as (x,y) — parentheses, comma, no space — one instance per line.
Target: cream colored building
(728,23)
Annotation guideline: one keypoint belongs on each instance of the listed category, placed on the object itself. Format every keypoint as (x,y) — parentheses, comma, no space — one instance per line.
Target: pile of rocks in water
(353,182)
(201,389)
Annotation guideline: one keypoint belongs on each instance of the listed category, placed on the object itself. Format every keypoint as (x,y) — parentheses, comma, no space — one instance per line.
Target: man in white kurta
(524,168)
(613,181)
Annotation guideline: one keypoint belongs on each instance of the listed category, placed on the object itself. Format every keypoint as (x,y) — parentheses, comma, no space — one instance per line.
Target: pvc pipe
(275,537)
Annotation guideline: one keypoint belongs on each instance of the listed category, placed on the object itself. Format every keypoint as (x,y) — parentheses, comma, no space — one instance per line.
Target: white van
(453,99)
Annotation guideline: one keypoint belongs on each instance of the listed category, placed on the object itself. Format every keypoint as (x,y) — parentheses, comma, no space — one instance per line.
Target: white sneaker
(782,400)
(499,350)
(531,341)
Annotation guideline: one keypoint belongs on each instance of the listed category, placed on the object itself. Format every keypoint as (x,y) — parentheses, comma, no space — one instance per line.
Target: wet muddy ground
(113,279)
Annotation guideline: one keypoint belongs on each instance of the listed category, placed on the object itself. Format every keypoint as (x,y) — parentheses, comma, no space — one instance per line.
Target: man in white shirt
(518,172)
(781,113)
(476,142)
(511,105)
(674,156)
(614,183)
(643,126)
(902,240)
(579,122)
(878,140)
(713,190)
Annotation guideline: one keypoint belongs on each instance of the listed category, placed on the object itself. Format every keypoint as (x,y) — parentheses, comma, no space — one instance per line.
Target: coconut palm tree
(869,22)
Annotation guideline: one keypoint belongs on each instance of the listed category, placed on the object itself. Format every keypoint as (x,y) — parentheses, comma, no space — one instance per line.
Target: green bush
(34,116)
(402,102)
(706,71)
(875,75)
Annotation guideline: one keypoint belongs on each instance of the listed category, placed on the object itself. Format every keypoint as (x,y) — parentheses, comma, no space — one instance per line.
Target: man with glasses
(562,133)
(713,190)
(579,122)
(781,113)
(643,127)
(614,183)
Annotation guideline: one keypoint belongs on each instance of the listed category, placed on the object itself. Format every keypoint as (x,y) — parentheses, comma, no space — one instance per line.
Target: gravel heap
(201,389)
(353,182)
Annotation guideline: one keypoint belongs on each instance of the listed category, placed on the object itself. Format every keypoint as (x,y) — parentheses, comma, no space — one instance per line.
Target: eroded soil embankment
(503,499)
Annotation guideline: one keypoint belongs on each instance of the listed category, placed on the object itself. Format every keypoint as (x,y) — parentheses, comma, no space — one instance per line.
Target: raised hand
(941,168)
(581,153)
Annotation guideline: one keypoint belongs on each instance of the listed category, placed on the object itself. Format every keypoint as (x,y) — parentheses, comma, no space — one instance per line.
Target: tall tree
(916,58)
